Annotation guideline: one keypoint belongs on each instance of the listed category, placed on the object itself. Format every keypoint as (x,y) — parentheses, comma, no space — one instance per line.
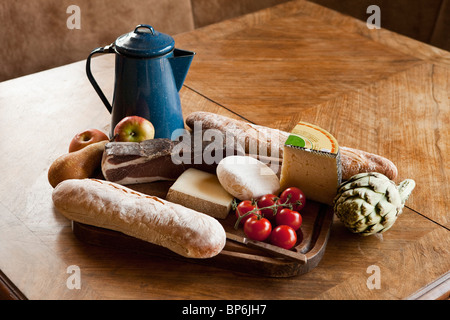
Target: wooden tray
(312,240)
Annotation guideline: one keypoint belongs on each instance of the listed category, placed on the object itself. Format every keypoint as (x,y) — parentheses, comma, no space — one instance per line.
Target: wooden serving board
(312,239)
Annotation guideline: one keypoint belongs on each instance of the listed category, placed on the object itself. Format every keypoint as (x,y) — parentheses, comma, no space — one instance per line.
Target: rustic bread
(112,206)
(356,161)
(271,141)
(252,138)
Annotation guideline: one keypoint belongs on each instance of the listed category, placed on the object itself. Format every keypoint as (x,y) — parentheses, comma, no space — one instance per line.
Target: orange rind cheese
(311,162)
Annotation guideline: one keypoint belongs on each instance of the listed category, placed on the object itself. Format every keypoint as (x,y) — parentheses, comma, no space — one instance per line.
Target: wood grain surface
(373,89)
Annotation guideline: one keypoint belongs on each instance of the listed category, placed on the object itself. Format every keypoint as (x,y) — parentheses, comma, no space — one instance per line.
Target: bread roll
(111,206)
(247,178)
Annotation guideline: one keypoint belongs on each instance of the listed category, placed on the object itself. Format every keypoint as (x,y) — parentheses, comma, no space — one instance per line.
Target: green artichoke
(369,203)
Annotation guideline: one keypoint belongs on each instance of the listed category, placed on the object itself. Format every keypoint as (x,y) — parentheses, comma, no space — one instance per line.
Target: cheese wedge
(311,162)
(201,191)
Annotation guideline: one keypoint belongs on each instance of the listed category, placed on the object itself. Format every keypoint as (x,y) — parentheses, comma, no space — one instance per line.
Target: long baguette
(272,141)
(356,161)
(112,206)
(251,137)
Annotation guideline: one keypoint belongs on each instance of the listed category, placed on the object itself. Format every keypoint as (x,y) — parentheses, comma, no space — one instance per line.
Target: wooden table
(373,89)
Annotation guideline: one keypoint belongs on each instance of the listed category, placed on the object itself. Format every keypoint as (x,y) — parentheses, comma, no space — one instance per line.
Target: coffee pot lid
(144,42)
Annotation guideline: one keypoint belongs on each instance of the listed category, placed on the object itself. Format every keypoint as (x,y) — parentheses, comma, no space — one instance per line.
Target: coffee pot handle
(107,49)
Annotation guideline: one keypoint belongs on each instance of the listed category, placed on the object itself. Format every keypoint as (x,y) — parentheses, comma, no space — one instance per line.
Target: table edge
(439,289)
(8,291)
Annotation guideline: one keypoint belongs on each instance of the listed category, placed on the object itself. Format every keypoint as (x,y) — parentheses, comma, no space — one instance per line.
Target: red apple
(134,129)
(86,138)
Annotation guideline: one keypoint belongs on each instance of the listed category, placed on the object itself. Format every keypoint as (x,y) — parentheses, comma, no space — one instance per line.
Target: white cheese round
(247,178)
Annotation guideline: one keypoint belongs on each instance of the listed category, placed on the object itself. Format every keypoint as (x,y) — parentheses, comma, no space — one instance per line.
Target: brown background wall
(210,11)
(424,20)
(34,35)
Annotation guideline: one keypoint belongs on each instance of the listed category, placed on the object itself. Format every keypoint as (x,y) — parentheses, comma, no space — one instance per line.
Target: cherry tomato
(243,207)
(267,201)
(295,196)
(283,236)
(257,228)
(290,218)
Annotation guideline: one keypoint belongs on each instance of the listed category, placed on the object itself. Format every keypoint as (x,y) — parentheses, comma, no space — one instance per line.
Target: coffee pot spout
(180,63)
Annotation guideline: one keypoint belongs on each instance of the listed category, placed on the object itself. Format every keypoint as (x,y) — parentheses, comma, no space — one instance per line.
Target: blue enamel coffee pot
(149,73)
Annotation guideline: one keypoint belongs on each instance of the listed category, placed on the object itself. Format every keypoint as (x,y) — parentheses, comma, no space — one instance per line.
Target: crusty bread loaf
(112,206)
(252,138)
(353,161)
(356,161)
